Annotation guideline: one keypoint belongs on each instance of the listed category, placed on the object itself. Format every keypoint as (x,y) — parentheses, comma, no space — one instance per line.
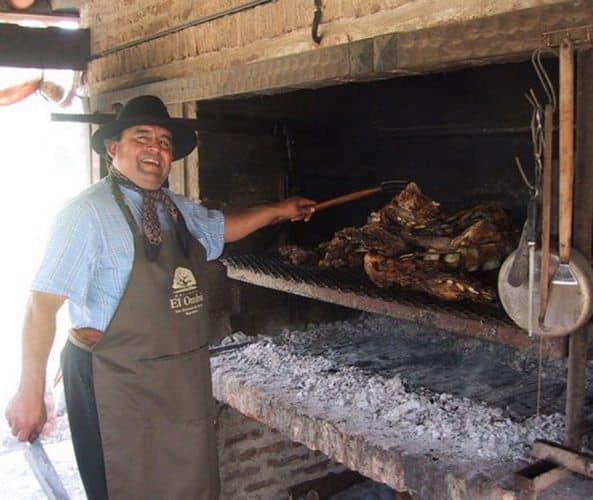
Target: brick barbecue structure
(324,97)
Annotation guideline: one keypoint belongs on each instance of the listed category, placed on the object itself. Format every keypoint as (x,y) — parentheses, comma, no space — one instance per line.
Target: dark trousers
(77,369)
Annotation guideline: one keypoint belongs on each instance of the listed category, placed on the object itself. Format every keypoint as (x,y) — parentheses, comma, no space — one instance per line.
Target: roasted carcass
(348,246)
(413,243)
(412,271)
(409,209)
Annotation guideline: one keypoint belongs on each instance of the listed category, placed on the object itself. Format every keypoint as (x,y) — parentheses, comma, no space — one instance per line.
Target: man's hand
(26,415)
(295,209)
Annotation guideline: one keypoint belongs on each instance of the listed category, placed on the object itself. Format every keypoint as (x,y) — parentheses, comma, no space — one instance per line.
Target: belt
(85,338)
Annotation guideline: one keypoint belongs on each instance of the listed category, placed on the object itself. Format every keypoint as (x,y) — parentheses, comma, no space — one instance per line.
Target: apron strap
(124,206)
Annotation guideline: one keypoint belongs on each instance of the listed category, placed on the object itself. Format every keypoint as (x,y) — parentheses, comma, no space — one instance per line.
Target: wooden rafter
(43,47)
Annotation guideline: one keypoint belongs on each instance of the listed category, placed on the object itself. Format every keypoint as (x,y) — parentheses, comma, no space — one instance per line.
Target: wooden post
(177,174)
(192,161)
(96,172)
(575,387)
(583,216)
(576,462)
(583,230)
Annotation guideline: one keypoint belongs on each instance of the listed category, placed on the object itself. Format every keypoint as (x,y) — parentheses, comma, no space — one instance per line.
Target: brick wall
(258,463)
(269,31)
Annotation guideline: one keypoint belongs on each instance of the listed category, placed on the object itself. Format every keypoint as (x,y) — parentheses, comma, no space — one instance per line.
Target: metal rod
(96,118)
(446,130)
(181,27)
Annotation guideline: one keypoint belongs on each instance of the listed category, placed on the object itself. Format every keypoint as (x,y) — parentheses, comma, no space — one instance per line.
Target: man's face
(143,155)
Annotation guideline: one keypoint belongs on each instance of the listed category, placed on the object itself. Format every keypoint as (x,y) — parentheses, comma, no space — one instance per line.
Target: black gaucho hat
(147,110)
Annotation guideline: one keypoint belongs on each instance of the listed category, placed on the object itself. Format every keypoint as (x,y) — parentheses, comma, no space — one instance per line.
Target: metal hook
(536,122)
(316,20)
(533,190)
(542,74)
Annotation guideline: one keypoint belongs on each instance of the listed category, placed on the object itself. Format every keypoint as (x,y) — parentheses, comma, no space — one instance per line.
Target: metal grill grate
(352,288)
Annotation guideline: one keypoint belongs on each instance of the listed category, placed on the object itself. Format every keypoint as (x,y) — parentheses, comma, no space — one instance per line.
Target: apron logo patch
(187,297)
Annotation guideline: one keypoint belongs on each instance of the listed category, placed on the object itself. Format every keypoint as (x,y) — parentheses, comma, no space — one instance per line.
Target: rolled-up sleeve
(67,264)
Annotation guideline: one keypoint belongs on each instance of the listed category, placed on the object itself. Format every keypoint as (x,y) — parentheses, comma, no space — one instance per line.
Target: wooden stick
(346,198)
(572,460)
(539,476)
(566,152)
(546,211)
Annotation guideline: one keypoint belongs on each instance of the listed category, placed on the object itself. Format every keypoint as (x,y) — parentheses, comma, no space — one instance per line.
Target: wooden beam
(576,462)
(583,217)
(47,20)
(43,47)
(583,235)
(539,475)
(94,118)
(323,67)
(501,38)
(237,124)
(576,381)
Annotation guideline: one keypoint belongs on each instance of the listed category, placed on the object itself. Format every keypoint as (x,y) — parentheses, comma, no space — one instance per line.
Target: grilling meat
(413,243)
(348,246)
(413,272)
(481,246)
(299,256)
(410,208)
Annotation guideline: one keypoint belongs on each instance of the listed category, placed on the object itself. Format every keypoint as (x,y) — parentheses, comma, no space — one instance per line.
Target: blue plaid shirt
(90,251)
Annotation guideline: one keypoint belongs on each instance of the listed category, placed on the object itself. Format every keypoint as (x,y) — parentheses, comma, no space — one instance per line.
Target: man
(129,256)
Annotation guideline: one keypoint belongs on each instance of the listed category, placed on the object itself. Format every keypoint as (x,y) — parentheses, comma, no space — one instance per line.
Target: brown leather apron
(152,380)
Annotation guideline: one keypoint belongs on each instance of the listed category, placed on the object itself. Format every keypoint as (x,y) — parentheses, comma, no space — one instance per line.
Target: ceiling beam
(43,48)
(44,20)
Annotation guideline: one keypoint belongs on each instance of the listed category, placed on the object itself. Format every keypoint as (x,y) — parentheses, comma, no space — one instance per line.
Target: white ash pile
(298,365)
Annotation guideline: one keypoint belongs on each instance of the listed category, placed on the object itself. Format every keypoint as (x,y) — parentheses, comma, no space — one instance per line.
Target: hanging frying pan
(515,300)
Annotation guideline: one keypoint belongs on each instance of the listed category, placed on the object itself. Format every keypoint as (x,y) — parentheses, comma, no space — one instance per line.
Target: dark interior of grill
(455,134)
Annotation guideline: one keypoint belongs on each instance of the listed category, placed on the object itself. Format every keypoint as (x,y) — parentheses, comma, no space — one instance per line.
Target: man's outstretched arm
(240,224)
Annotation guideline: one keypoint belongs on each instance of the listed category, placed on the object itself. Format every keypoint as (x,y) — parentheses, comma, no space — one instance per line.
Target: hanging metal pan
(515,300)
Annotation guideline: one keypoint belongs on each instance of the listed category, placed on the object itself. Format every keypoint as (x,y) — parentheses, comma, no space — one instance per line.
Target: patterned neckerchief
(151,226)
